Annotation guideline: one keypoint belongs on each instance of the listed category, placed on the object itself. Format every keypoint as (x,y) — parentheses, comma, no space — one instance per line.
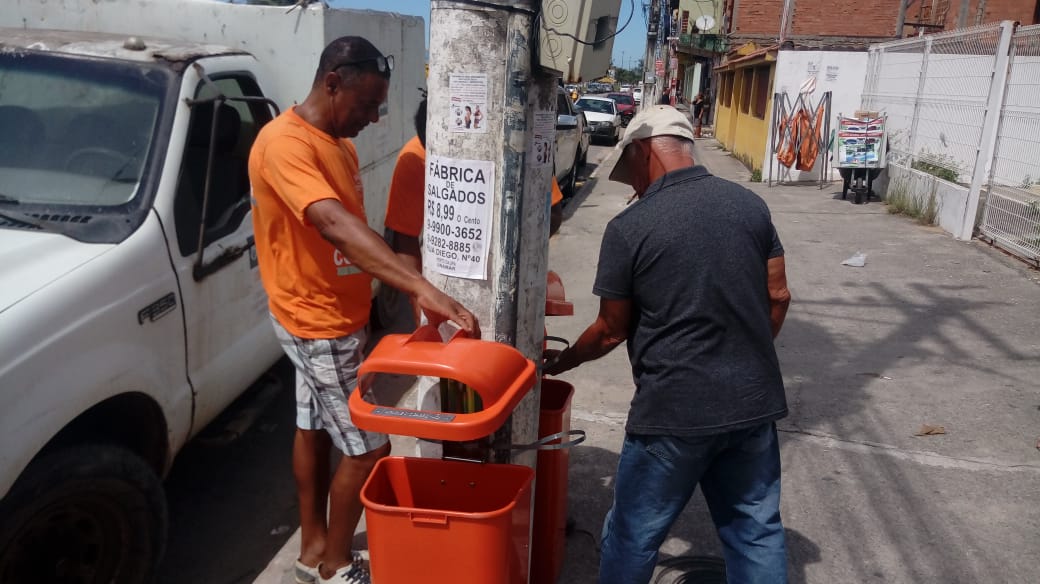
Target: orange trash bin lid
(499,373)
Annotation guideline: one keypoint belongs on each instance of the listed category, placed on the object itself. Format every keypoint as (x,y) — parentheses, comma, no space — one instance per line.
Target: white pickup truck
(131,312)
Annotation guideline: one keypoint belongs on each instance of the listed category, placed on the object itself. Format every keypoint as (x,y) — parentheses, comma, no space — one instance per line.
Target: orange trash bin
(448,522)
(550,506)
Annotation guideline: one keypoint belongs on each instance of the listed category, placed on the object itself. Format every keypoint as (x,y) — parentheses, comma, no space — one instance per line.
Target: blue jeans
(739,474)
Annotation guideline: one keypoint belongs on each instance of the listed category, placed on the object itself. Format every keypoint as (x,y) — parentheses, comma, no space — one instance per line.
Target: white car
(637,94)
(602,115)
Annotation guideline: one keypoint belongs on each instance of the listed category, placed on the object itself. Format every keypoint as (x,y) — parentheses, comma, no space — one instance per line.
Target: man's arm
(409,251)
(609,330)
(779,295)
(367,250)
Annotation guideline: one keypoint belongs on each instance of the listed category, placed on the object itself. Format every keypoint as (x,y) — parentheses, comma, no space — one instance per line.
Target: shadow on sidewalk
(692,540)
(845,366)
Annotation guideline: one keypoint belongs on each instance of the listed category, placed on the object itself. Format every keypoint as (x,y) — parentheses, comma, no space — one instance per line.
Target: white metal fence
(963,112)
(1011,216)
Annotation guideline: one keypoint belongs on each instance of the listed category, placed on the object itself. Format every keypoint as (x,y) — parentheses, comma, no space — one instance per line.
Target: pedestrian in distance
(317,259)
(698,113)
(692,277)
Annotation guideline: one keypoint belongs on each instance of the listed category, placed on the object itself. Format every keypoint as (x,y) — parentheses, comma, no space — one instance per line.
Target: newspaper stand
(860,153)
(446,521)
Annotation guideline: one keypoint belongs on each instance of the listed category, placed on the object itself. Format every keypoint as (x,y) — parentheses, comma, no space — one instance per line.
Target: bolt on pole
(490,115)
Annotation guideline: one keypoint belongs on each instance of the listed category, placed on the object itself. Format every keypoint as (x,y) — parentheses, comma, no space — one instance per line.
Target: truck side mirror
(566,122)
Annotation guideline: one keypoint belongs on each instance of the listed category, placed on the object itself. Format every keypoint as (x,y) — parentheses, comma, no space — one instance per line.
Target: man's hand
(439,307)
(609,330)
(552,362)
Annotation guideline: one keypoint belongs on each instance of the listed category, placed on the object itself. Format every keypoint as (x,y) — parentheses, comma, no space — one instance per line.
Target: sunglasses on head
(384,65)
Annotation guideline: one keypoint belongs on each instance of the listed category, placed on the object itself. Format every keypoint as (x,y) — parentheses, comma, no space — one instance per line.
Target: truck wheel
(583,156)
(83,515)
(569,189)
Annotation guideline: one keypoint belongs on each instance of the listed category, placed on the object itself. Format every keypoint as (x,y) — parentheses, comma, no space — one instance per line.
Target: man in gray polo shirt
(692,276)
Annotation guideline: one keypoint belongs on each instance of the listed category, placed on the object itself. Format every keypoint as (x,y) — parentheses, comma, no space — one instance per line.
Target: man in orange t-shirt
(317,257)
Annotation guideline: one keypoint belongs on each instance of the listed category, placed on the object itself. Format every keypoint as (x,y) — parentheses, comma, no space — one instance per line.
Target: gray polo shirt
(691,255)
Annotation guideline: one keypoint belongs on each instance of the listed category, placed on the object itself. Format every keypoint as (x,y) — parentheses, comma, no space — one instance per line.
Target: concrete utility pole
(901,19)
(962,16)
(490,132)
(650,60)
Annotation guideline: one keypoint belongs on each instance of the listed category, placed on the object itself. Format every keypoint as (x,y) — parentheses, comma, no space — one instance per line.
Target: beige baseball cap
(657,120)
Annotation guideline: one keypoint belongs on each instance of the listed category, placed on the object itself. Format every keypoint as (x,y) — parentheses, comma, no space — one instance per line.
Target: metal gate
(1011,213)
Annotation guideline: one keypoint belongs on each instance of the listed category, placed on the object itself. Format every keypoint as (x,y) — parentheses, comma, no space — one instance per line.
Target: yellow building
(744,102)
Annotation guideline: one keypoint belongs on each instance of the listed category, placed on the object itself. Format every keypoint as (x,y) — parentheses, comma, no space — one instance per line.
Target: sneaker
(352,573)
(305,574)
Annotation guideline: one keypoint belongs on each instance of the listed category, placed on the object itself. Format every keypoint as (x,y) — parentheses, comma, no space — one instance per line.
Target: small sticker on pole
(459,200)
(544,137)
(468,103)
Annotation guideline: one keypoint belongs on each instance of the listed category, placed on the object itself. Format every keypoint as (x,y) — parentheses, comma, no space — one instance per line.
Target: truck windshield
(76,132)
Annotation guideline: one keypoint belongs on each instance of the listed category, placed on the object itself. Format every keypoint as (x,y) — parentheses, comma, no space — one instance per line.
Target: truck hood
(30,261)
(599,117)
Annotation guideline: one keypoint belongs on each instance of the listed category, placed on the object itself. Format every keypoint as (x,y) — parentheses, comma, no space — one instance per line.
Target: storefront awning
(748,56)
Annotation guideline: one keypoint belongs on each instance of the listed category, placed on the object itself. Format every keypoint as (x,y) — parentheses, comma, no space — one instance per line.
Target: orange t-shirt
(404,206)
(313,290)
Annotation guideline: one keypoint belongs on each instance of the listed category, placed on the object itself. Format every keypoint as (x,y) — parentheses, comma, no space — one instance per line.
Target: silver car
(572,142)
(603,117)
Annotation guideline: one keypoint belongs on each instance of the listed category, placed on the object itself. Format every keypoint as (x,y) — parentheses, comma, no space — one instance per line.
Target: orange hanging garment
(789,137)
(809,150)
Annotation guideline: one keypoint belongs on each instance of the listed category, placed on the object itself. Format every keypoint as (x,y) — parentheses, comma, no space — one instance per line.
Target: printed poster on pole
(459,200)
(543,138)
(468,103)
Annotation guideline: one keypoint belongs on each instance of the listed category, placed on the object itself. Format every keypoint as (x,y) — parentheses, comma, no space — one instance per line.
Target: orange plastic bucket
(550,505)
(448,522)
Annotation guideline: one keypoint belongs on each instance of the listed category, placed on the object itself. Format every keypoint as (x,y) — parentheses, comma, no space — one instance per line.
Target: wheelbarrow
(860,181)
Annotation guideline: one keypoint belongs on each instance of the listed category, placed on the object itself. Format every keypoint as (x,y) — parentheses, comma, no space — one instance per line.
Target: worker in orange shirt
(317,257)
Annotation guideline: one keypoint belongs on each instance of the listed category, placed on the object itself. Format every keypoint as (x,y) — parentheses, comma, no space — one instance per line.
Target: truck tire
(84,515)
(570,188)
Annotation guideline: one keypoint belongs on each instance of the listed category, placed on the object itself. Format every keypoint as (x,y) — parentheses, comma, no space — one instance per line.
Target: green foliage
(756,173)
(628,76)
(901,200)
(937,165)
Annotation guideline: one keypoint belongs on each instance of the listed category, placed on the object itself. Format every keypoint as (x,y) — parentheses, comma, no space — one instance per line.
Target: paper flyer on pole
(544,137)
(468,102)
(459,200)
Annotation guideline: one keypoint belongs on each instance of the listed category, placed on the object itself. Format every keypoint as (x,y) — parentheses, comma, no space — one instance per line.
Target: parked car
(572,142)
(603,117)
(637,94)
(626,106)
(626,89)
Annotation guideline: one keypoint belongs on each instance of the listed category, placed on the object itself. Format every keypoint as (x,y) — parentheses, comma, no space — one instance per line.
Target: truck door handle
(201,271)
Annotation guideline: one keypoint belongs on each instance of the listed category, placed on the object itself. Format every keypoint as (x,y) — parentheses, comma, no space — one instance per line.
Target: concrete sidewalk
(930,331)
